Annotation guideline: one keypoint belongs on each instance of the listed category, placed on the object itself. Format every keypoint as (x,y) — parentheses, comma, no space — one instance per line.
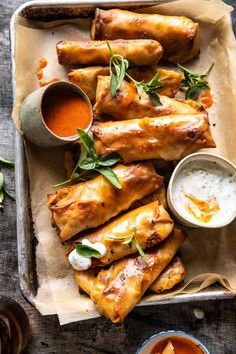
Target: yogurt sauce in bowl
(202,191)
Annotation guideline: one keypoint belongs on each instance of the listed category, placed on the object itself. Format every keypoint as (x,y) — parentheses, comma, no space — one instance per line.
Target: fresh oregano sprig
(90,164)
(128,240)
(3,191)
(120,67)
(87,251)
(193,83)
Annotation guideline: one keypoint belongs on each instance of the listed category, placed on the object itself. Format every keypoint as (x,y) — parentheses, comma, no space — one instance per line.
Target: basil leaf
(6,163)
(87,251)
(155,99)
(192,93)
(140,250)
(155,82)
(73,178)
(86,140)
(87,164)
(110,176)
(108,160)
(113,84)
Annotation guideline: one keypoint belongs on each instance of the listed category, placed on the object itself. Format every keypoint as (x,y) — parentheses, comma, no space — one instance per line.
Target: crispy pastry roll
(179,36)
(172,275)
(168,138)
(86,78)
(92,203)
(150,223)
(126,104)
(117,290)
(138,52)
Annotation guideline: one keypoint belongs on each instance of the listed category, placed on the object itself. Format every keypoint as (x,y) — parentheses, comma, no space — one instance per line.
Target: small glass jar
(14,327)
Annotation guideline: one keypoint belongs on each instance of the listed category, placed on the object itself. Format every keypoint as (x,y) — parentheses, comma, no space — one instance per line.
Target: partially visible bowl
(149,344)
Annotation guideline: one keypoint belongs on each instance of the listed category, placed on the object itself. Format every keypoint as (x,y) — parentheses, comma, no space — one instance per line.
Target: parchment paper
(209,255)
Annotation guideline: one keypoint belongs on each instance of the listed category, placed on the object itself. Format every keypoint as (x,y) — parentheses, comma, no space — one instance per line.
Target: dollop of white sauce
(79,262)
(207,182)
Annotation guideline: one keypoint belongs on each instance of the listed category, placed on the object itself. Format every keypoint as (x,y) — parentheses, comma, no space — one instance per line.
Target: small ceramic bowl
(198,158)
(32,121)
(149,344)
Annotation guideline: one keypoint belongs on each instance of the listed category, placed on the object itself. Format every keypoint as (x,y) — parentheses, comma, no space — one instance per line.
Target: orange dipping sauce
(181,346)
(64,111)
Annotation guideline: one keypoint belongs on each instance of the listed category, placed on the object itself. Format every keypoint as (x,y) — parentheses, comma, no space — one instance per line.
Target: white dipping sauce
(204,192)
(79,262)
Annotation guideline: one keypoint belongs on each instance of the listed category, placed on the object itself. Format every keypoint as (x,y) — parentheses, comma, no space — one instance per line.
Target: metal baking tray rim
(24,236)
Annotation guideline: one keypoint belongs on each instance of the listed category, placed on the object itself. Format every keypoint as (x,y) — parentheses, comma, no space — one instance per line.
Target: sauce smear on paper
(206,98)
(181,346)
(42,65)
(65,111)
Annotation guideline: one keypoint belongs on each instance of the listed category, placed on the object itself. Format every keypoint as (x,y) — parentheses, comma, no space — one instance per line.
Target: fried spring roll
(127,104)
(179,36)
(117,290)
(92,203)
(86,78)
(138,52)
(172,275)
(168,138)
(150,224)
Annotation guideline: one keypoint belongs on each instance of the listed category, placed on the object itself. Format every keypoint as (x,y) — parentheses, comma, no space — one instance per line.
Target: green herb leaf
(114,83)
(193,83)
(128,242)
(108,160)
(140,250)
(155,99)
(87,251)
(86,140)
(108,173)
(87,164)
(114,238)
(6,163)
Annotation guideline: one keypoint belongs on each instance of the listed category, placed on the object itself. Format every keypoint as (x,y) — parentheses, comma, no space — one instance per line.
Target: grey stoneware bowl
(32,122)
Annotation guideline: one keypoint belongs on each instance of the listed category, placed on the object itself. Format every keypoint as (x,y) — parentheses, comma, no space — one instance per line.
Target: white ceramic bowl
(200,156)
(149,344)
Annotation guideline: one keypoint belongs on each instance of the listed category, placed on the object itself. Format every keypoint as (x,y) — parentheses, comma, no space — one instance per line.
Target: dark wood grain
(217,329)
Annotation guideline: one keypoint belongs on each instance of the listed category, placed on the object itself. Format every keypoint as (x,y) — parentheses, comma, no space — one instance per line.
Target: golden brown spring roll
(138,52)
(172,275)
(86,78)
(178,35)
(168,138)
(126,104)
(117,290)
(92,203)
(150,223)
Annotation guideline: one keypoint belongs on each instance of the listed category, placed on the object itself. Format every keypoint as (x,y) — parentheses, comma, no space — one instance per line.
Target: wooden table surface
(99,336)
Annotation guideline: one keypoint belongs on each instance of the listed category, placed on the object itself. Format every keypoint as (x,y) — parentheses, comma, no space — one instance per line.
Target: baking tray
(26,240)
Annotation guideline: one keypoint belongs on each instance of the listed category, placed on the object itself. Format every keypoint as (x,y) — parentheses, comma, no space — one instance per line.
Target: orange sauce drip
(207,209)
(181,346)
(206,98)
(42,65)
(44,83)
(64,112)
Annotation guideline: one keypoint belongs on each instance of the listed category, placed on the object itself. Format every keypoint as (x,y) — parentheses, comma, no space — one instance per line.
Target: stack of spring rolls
(132,126)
